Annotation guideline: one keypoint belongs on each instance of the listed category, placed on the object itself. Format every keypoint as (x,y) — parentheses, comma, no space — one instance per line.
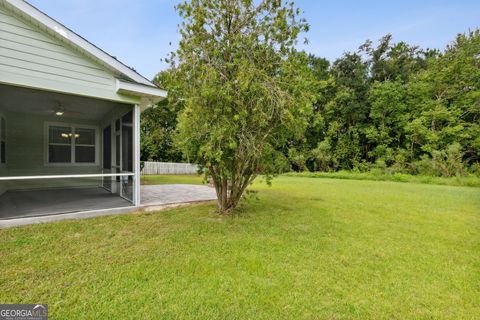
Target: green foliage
(396,107)
(322,156)
(445,163)
(158,125)
(246,90)
(380,173)
(251,99)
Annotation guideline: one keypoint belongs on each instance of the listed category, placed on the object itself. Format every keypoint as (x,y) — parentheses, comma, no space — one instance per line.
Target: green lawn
(470,180)
(171,178)
(306,249)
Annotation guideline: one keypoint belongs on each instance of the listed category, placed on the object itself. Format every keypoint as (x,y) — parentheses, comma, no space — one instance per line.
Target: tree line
(391,106)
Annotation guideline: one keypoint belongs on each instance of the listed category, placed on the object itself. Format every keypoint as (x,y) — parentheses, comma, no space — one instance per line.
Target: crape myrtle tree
(246,90)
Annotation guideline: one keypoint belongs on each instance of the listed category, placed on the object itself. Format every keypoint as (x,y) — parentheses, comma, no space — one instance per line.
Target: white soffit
(136,89)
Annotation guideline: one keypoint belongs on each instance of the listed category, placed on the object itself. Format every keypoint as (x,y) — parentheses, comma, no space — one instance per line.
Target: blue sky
(138,32)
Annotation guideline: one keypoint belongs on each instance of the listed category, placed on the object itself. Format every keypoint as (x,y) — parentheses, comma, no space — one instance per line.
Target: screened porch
(63,153)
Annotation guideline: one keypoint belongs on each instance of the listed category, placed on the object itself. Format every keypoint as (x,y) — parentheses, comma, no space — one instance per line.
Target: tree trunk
(229,192)
(222,192)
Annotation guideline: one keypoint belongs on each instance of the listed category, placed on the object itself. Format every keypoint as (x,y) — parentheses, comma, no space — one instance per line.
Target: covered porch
(62,153)
(58,202)
(40,202)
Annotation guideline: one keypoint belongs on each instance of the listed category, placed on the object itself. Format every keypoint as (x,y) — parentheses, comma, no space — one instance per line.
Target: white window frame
(2,164)
(72,162)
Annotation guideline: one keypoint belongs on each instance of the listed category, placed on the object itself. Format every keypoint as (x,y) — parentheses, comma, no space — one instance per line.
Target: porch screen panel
(59,144)
(117,151)
(3,140)
(127,142)
(107,156)
(3,158)
(127,155)
(107,148)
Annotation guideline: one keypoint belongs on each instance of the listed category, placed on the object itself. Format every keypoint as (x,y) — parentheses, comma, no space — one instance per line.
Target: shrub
(444,163)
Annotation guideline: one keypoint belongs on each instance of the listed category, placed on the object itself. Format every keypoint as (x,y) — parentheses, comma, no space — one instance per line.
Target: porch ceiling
(45,103)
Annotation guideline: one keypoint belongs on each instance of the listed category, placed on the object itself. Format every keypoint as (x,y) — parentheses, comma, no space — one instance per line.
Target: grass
(306,249)
(468,181)
(171,178)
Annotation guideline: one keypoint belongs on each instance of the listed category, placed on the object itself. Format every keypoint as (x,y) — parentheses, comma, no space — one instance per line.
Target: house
(69,119)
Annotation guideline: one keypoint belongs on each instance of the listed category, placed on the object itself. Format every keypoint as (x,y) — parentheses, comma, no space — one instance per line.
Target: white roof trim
(73,38)
(140,89)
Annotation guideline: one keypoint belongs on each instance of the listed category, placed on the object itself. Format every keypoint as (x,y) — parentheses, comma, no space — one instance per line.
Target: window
(3,140)
(85,145)
(127,142)
(59,144)
(71,144)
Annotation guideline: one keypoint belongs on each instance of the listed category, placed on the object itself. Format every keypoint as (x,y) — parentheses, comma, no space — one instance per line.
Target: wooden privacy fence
(168,168)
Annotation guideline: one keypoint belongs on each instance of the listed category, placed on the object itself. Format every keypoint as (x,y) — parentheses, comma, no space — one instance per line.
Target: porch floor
(29,203)
(49,202)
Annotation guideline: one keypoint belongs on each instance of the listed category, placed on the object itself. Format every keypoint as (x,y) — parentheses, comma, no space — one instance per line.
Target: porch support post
(136,154)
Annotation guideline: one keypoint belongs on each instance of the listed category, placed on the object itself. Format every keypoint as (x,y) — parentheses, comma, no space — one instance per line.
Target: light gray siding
(26,152)
(31,57)
(26,145)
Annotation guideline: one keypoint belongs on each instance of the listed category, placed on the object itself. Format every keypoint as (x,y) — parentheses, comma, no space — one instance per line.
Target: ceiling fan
(59,110)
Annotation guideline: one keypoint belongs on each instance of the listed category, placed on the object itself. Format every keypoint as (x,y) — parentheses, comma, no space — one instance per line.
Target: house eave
(140,90)
(149,95)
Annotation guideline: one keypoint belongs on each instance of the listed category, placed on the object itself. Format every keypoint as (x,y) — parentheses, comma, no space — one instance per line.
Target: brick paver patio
(175,193)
